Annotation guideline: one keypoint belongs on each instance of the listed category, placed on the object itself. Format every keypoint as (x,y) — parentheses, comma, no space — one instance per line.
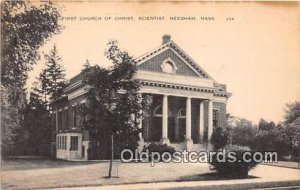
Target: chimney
(166,38)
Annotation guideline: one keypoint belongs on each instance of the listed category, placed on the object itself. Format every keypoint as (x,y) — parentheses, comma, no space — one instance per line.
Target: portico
(183,122)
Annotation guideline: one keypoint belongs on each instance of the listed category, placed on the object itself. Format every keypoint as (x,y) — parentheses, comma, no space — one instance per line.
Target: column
(188,120)
(210,119)
(165,120)
(201,122)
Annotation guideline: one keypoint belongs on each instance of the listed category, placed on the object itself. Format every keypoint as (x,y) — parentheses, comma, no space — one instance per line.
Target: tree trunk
(112,156)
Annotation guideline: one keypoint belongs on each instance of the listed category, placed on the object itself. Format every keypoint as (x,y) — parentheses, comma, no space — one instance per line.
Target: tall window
(66,118)
(74,117)
(63,120)
(74,143)
(60,122)
(62,143)
(215,118)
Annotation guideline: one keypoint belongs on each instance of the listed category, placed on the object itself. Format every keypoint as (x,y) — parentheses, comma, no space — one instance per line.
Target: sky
(252,47)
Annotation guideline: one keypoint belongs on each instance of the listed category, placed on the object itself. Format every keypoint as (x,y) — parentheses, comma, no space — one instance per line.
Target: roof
(167,45)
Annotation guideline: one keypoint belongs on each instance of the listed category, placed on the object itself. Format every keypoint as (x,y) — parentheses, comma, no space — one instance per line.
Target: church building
(188,104)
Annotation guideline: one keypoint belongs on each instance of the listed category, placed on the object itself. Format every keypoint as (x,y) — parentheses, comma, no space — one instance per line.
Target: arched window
(181,113)
(168,66)
(157,112)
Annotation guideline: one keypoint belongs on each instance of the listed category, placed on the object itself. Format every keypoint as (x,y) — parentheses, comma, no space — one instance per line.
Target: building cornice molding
(73,86)
(185,87)
(174,78)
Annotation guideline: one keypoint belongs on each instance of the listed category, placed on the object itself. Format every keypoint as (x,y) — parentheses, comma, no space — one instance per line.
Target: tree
(292,112)
(25,28)
(269,140)
(52,78)
(112,99)
(291,137)
(243,132)
(9,123)
(42,85)
(37,123)
(266,126)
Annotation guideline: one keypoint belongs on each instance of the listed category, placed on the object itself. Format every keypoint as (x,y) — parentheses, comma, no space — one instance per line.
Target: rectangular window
(74,117)
(60,120)
(74,143)
(62,143)
(63,127)
(66,118)
(215,118)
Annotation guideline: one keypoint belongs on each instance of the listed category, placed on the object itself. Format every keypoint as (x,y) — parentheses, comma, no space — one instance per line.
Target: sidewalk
(264,173)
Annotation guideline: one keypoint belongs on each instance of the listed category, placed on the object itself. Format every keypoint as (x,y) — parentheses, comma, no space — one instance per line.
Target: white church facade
(188,104)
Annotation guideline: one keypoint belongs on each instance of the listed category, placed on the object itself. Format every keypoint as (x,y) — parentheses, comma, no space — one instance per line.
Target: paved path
(264,172)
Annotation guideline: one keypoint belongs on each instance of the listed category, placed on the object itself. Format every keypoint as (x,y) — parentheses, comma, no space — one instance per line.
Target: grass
(42,174)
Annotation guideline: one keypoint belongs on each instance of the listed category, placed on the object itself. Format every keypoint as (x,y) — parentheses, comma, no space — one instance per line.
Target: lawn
(25,174)
(42,174)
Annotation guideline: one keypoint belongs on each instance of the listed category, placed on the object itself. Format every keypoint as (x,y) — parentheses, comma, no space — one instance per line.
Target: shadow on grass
(208,177)
(106,177)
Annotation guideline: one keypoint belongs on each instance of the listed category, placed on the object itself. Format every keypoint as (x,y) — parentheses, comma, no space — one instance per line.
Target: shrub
(160,148)
(233,169)
(220,138)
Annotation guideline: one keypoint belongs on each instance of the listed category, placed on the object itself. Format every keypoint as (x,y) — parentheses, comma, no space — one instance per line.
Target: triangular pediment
(170,58)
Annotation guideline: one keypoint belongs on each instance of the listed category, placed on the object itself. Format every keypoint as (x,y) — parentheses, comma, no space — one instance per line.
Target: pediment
(169,58)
